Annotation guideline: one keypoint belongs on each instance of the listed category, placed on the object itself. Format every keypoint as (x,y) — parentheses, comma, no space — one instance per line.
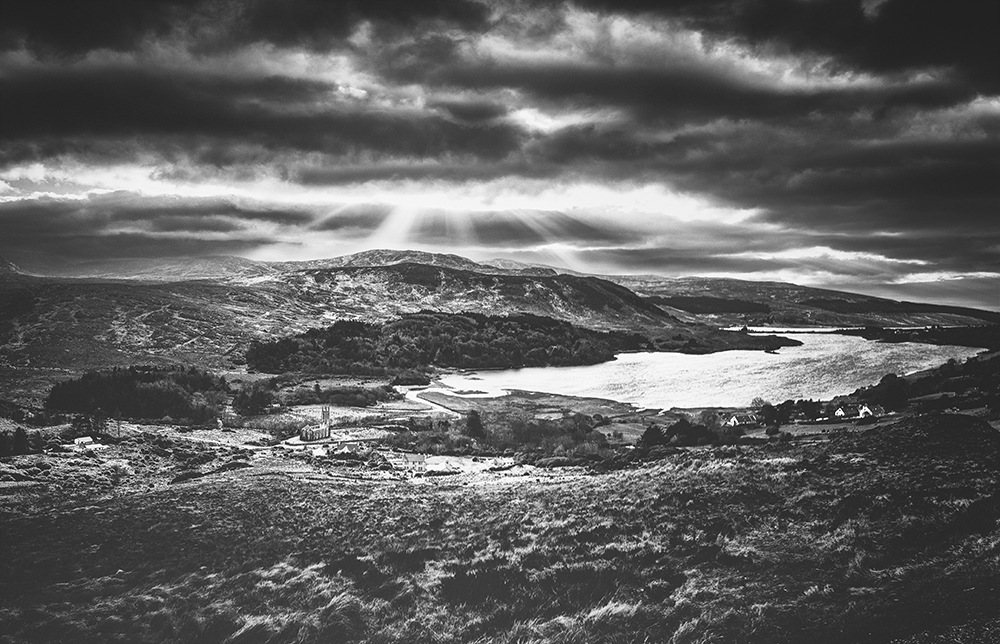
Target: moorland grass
(865,539)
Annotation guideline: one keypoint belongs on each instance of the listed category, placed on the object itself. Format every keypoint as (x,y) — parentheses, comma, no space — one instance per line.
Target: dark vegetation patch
(186,395)
(707,304)
(342,396)
(273,394)
(573,439)
(412,378)
(931,438)
(972,384)
(420,340)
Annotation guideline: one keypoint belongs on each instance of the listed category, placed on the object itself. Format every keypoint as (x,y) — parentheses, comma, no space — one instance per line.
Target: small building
(84,443)
(407,462)
(742,419)
(871,411)
(350,447)
(848,410)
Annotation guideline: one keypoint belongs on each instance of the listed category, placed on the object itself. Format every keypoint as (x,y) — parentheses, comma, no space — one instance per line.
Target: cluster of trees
(574,435)
(342,396)
(183,394)
(892,392)
(973,383)
(264,396)
(684,433)
(417,341)
(20,442)
(255,398)
(781,414)
(30,416)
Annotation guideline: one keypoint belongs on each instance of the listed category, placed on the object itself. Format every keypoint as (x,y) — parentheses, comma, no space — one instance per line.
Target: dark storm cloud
(532,227)
(453,171)
(199,218)
(100,246)
(360,217)
(67,27)
(899,36)
(470,110)
(955,250)
(107,103)
(868,128)
(821,181)
(320,23)
(63,226)
(676,260)
(518,228)
(686,94)
(694,261)
(73,28)
(974,291)
(92,229)
(513,228)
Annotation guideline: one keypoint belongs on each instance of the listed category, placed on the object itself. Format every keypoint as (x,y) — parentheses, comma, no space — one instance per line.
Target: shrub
(254,399)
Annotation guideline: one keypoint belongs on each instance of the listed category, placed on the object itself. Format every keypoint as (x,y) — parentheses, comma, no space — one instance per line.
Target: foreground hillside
(867,538)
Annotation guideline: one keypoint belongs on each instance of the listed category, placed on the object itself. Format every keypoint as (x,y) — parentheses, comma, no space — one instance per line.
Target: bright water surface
(823,367)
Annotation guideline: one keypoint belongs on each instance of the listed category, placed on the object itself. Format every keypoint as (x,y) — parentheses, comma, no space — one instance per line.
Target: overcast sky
(849,144)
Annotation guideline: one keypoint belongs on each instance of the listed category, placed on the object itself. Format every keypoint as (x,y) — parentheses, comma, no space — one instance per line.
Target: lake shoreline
(822,367)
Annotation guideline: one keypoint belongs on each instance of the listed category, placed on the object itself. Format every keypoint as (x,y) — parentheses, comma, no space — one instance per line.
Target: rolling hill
(124,318)
(734,302)
(206,311)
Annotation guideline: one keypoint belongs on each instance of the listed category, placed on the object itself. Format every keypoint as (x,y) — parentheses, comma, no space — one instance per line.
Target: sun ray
(396,229)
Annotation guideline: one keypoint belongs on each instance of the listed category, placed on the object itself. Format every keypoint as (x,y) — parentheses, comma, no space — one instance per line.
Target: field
(881,536)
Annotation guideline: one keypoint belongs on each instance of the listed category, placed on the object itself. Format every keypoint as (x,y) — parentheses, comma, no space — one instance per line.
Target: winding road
(411,394)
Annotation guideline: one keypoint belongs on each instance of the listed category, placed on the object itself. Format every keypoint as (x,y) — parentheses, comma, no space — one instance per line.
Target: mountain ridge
(240,269)
(9,267)
(206,312)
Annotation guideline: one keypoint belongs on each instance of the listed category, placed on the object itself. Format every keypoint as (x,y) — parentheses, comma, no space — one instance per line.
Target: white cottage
(407,462)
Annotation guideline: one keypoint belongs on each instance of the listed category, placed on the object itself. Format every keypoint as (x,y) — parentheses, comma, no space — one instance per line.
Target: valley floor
(889,535)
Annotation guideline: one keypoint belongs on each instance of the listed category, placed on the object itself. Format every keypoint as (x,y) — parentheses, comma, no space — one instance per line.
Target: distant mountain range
(727,302)
(207,310)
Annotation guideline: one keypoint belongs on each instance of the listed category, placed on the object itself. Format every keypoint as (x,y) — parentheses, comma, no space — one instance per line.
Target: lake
(823,367)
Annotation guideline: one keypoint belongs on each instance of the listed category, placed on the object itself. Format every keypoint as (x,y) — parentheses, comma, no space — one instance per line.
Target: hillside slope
(89,323)
(208,310)
(727,302)
(374,292)
(717,302)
